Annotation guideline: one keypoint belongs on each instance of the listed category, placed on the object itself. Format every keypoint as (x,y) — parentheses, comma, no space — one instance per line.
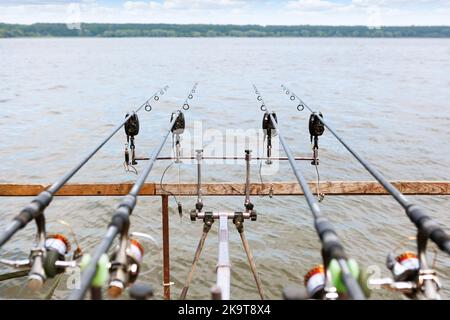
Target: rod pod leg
(206,227)
(239,223)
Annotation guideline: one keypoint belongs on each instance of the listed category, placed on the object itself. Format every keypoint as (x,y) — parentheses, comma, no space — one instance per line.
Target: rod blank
(332,248)
(120,220)
(415,213)
(38,205)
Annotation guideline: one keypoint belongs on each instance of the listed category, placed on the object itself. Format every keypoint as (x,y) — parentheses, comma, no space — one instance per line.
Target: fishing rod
(425,278)
(49,259)
(332,249)
(120,269)
(37,206)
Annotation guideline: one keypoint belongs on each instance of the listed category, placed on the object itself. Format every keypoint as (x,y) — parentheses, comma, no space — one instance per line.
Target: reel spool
(57,247)
(410,274)
(404,267)
(315,282)
(44,261)
(135,255)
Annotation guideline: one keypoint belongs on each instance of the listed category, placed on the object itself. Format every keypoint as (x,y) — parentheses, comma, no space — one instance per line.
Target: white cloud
(202,4)
(136,5)
(311,5)
(291,12)
(372,13)
(185,5)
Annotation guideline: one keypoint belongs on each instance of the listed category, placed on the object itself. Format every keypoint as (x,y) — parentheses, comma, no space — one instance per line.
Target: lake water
(388,98)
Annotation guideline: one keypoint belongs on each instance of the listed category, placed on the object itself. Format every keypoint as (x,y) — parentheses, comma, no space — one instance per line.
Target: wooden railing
(329,188)
(337,188)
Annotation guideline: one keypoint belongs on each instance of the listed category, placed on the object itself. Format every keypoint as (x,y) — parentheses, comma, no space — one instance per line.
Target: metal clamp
(216,214)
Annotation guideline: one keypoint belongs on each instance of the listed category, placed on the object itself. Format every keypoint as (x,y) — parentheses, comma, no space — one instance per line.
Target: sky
(372,13)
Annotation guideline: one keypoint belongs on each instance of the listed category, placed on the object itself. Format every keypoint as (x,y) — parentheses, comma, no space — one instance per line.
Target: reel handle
(37,276)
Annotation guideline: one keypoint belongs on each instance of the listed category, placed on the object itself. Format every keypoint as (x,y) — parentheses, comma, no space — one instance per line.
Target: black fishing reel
(49,258)
(316,129)
(131,130)
(411,274)
(322,283)
(126,263)
(269,132)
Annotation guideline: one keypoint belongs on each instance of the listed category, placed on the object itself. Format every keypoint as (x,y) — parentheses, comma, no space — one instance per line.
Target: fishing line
(165,171)
(130,168)
(154,242)
(270,194)
(179,182)
(78,252)
(320,195)
(161,182)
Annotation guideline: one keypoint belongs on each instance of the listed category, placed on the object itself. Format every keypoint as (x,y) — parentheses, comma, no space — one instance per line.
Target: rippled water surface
(388,98)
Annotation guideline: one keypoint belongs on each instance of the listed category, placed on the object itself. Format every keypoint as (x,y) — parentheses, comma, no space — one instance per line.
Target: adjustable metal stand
(239,223)
(223,260)
(222,288)
(208,221)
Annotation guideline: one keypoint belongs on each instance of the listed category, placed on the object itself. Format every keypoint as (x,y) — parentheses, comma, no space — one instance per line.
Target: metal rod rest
(227,158)
(223,262)
(229,215)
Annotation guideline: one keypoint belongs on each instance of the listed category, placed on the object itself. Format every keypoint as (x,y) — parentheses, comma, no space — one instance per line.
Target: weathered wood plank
(96,189)
(233,189)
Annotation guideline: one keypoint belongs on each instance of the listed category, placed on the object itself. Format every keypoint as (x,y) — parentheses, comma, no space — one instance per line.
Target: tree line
(203,30)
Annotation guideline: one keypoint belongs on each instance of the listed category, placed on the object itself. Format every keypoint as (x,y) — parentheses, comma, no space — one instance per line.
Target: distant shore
(213,31)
